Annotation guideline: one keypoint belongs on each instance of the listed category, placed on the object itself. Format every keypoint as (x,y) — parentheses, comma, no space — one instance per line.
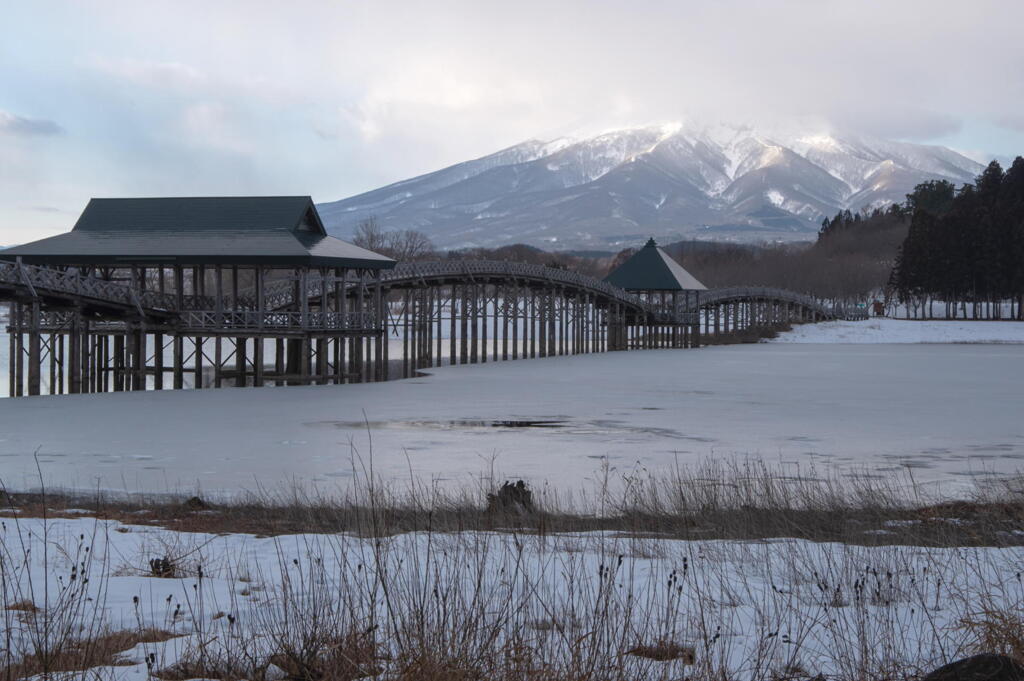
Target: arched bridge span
(118,331)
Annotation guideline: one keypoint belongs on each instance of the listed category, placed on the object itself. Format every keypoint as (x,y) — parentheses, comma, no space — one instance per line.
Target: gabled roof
(199,213)
(279,231)
(652,269)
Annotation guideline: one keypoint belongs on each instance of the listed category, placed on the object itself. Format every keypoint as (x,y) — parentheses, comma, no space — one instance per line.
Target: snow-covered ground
(946,411)
(882,330)
(749,609)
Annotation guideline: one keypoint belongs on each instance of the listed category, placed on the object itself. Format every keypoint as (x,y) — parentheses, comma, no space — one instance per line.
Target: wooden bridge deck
(96,334)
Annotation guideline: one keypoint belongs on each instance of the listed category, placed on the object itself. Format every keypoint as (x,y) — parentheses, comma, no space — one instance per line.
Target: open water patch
(449,424)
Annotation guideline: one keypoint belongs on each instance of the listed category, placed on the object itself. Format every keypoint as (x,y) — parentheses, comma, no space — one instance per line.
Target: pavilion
(657,279)
(249,289)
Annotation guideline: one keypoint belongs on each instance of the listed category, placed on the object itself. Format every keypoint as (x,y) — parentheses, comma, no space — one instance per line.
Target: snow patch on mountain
(674,180)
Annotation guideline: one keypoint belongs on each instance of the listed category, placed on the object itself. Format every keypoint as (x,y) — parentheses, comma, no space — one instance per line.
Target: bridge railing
(49,280)
(714,296)
(277,321)
(504,268)
(281,293)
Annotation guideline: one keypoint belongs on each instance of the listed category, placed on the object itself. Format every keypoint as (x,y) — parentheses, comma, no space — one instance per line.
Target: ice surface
(948,411)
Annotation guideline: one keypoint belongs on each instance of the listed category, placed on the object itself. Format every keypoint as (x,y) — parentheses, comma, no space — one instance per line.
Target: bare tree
(402,245)
(370,236)
(407,245)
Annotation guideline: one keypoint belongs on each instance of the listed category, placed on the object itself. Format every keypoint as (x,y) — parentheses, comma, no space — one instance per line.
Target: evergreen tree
(965,245)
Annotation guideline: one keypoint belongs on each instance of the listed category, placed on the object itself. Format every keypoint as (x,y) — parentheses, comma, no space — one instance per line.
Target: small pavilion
(657,279)
(201,289)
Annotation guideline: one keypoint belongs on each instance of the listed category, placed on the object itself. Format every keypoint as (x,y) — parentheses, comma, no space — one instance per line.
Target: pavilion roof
(278,231)
(652,269)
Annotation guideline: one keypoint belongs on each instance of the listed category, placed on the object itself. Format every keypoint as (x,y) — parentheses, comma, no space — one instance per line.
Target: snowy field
(747,610)
(880,330)
(945,411)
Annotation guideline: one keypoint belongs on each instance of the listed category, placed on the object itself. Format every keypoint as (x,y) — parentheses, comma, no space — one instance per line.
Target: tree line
(965,247)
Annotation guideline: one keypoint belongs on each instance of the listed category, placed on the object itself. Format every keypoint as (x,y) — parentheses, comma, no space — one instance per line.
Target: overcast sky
(334,98)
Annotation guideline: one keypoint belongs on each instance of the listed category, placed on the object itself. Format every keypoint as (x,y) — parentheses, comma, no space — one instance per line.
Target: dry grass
(663,651)
(750,334)
(715,500)
(102,650)
(996,630)
(527,602)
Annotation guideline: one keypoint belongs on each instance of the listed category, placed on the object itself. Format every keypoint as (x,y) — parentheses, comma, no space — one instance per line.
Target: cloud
(900,123)
(210,124)
(341,97)
(161,75)
(1011,121)
(20,126)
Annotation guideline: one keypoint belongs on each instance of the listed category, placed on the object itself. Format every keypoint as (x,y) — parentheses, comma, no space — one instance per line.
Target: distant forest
(961,246)
(965,247)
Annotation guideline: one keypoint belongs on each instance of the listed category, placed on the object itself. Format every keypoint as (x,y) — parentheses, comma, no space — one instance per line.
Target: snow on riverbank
(947,411)
(748,609)
(881,330)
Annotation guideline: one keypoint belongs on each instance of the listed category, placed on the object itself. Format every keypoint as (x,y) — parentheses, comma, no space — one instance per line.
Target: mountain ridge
(670,181)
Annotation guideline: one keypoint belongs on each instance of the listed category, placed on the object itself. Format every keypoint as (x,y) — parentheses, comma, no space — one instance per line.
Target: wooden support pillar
(439,306)
(380,325)
(75,353)
(280,360)
(178,352)
(104,350)
(34,350)
(464,325)
(542,318)
(305,345)
(504,323)
(197,362)
(158,359)
(118,362)
(513,307)
(552,322)
(530,319)
(13,312)
(218,361)
(138,339)
(474,322)
(322,364)
(61,338)
(360,358)
(257,358)
(341,293)
(241,348)
(494,323)
(406,313)
(453,294)
(483,322)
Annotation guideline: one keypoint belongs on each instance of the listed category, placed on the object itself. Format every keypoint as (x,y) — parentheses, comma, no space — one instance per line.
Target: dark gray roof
(652,269)
(262,230)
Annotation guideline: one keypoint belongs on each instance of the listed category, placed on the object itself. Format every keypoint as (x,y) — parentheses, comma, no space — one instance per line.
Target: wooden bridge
(72,331)
(202,292)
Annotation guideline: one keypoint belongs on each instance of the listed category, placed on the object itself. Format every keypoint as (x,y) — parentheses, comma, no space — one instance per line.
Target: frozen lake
(947,411)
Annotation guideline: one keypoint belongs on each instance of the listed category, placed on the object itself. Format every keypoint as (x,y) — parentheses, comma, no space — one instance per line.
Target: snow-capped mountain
(670,181)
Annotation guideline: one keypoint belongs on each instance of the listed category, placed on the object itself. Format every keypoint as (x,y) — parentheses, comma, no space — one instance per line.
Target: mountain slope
(676,181)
